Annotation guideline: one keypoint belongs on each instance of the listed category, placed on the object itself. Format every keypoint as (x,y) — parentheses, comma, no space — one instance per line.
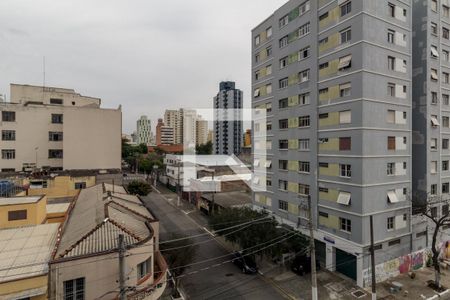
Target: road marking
(260,273)
(158,191)
(212,234)
(188,212)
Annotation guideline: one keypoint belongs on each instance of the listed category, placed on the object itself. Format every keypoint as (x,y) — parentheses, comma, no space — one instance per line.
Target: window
(323,66)
(434,98)
(284,83)
(303,189)
(394,242)
(303,53)
(390,169)
(303,76)
(269,51)
(268,182)
(345,63)
(346,35)
(269,32)
(345,89)
(283,124)
(283,144)
(445,209)
(283,103)
(303,121)
(55,136)
(323,16)
(74,289)
(445,144)
(434,52)
(445,11)
(80,185)
(391,143)
(445,99)
(56,101)
(283,205)
(390,36)
(391,63)
(283,62)
(434,5)
(283,41)
(433,167)
(433,144)
(434,75)
(434,211)
(445,121)
(433,189)
(57,118)
(345,143)
(345,224)
(303,144)
(8,135)
(346,8)
(345,117)
(257,40)
(303,166)
(445,188)
(303,30)
(323,116)
(323,41)
(8,116)
(8,154)
(445,33)
(390,223)
(445,76)
(304,99)
(269,88)
(391,10)
(257,58)
(15,215)
(434,29)
(144,268)
(283,21)
(52,153)
(269,126)
(283,185)
(283,164)
(346,170)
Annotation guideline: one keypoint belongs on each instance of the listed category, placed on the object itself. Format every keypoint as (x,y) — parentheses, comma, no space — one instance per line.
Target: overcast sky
(146,55)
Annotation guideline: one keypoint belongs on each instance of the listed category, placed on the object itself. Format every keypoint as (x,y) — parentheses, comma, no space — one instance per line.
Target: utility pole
(313,252)
(121,268)
(178,186)
(372,254)
(214,192)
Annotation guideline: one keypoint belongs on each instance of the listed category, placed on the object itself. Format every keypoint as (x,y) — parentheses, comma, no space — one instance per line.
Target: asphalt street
(214,279)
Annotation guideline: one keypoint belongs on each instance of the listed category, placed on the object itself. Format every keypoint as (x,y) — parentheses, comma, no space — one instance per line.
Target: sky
(147,56)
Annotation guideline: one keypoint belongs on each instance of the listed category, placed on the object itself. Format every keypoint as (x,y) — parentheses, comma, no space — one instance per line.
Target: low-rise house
(85,263)
(223,200)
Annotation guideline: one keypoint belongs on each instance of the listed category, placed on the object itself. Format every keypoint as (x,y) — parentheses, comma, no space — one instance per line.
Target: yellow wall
(331,70)
(293,165)
(293,208)
(330,222)
(23,285)
(333,41)
(293,144)
(332,170)
(62,186)
(293,122)
(332,195)
(333,18)
(331,145)
(36,214)
(333,119)
(293,187)
(293,100)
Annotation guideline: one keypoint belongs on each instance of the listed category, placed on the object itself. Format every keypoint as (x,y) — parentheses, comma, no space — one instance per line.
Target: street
(210,279)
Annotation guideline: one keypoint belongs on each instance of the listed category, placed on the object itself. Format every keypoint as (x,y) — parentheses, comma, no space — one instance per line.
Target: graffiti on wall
(400,265)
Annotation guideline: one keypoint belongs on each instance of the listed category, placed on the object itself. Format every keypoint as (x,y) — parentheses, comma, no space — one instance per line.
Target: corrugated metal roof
(97,219)
(26,251)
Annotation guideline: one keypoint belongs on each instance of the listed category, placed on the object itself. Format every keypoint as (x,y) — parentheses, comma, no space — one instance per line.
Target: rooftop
(20,200)
(26,251)
(54,208)
(96,218)
(230,199)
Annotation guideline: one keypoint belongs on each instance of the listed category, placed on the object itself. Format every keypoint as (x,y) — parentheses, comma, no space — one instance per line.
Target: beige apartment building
(202,131)
(57,129)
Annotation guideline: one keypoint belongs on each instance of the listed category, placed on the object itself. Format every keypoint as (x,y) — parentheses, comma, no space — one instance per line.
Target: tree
(178,254)
(204,149)
(260,232)
(132,153)
(140,188)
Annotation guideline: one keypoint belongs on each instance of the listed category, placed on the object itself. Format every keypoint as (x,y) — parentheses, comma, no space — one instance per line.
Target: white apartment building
(173,118)
(144,130)
(57,128)
(184,124)
(202,131)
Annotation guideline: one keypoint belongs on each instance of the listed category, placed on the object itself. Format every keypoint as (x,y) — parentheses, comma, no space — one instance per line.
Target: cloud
(146,55)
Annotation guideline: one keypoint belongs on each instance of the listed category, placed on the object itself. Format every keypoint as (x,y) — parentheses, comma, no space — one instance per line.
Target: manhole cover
(358,294)
(229,274)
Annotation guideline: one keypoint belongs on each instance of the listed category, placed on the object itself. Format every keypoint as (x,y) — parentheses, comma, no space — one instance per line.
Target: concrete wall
(36,214)
(17,286)
(62,186)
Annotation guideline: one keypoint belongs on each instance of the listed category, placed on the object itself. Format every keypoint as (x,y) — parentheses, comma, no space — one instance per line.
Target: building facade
(335,79)
(202,131)
(55,128)
(228,126)
(144,130)
(164,134)
(174,118)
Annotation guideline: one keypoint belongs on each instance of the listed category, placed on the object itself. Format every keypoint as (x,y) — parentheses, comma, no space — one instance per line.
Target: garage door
(346,264)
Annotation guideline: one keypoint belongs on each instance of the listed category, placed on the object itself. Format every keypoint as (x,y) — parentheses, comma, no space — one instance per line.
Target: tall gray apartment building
(431,126)
(335,79)
(228,118)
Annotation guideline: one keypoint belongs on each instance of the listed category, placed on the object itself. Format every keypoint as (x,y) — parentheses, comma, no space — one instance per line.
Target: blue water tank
(6,188)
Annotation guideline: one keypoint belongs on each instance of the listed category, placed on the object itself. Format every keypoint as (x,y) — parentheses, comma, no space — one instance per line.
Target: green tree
(204,149)
(178,254)
(140,188)
(260,232)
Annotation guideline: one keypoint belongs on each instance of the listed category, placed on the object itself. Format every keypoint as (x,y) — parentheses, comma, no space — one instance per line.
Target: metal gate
(346,264)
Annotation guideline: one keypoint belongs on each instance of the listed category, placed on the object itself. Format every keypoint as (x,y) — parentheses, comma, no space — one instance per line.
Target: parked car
(301,265)
(245,263)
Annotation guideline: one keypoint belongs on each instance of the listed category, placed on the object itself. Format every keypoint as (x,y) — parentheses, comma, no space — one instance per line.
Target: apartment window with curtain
(391,143)
(345,143)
